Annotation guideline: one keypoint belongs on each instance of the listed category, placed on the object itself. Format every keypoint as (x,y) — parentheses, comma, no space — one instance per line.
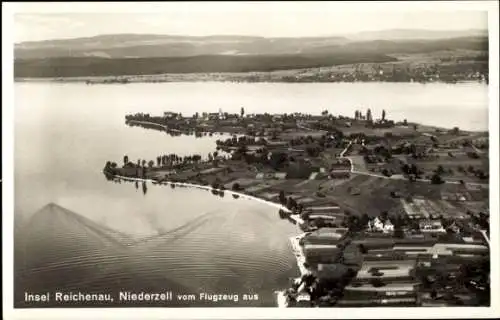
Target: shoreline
(294,240)
(209,188)
(201,78)
(429,128)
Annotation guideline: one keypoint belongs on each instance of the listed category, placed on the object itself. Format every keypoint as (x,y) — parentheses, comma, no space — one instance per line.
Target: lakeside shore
(230,78)
(392,72)
(294,218)
(207,188)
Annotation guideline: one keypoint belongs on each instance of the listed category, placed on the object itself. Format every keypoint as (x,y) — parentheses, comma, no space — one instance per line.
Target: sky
(34,22)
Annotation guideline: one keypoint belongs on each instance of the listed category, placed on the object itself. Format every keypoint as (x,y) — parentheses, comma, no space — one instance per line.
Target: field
(457,167)
(93,66)
(372,195)
(399,131)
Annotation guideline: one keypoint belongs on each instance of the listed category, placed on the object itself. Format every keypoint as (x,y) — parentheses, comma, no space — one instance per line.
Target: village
(390,213)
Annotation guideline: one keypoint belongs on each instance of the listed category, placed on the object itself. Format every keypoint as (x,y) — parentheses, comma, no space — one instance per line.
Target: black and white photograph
(293,156)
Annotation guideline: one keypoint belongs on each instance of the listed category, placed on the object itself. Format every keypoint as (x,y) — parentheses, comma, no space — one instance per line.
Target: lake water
(116,236)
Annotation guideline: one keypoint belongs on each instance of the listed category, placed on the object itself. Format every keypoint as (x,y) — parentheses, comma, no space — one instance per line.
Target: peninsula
(390,213)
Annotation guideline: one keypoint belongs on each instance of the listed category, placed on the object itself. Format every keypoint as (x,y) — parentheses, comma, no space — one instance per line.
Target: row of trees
(358,115)
(164,160)
(235,141)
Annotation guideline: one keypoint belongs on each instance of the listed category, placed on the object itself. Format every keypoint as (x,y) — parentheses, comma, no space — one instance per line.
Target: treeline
(92,66)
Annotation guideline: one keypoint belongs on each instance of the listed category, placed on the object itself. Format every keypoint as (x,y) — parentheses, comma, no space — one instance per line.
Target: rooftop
(445,249)
(329,232)
(388,287)
(386,269)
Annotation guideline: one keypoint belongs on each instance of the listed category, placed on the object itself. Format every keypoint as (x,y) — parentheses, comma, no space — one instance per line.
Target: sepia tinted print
(242,160)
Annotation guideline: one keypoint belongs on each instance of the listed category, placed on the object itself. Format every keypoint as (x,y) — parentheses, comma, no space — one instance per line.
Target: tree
(362,248)
(282,197)
(398,227)
(313,150)
(377,282)
(386,172)
(405,122)
(277,159)
(320,222)
(436,179)
(440,169)
(383,115)
(433,294)
(364,220)
(414,169)
(369,115)
(125,160)
(406,168)
(384,216)
(236,186)
(242,112)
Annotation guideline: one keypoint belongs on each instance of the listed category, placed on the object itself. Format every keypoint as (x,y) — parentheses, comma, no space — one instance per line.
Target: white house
(377,225)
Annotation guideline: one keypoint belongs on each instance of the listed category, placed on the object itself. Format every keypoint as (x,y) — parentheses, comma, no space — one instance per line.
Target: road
(342,156)
(483,232)
(396,177)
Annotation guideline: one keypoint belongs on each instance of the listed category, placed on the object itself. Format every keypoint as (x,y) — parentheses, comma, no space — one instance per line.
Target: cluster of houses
(376,268)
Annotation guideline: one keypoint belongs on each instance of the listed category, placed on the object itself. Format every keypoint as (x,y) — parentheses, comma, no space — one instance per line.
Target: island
(388,213)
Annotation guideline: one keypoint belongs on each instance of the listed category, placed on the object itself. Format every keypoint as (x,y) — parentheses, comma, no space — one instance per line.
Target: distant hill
(150,45)
(412,34)
(136,54)
(143,46)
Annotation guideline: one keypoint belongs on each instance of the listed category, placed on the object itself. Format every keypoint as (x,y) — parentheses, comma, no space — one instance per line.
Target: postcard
(250,159)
